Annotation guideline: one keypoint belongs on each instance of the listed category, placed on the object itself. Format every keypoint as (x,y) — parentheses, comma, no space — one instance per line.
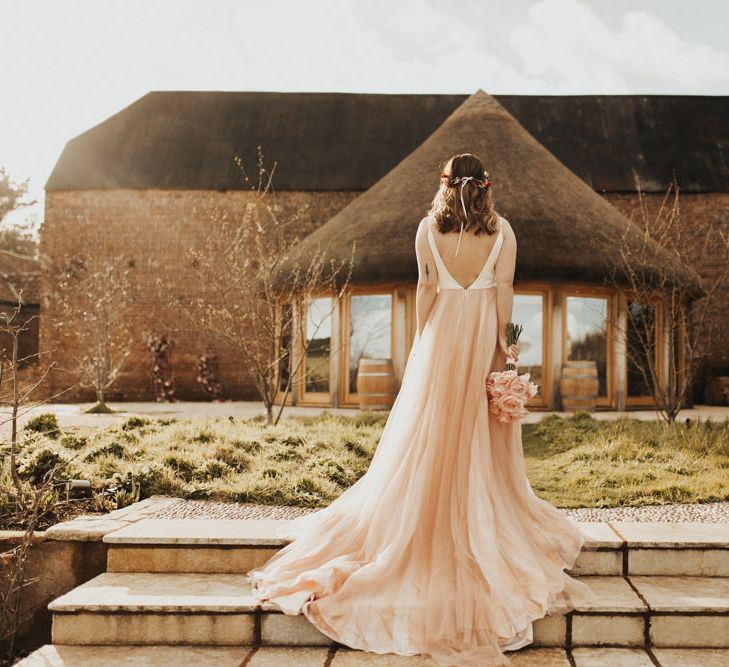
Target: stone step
(193,545)
(235,546)
(674,549)
(219,610)
(341,656)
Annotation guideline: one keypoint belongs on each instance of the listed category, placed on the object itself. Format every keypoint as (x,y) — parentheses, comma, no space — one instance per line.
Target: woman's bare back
(472,253)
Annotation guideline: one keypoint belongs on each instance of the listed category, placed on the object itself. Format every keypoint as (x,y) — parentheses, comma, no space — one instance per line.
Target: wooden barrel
(376,385)
(579,386)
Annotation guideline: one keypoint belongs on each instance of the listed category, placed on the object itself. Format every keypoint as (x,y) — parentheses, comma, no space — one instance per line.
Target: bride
(441,548)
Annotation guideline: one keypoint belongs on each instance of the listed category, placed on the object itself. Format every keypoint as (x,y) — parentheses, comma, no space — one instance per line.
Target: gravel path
(701,513)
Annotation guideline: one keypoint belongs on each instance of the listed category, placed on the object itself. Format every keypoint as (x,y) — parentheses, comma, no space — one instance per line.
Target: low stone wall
(54,567)
(63,557)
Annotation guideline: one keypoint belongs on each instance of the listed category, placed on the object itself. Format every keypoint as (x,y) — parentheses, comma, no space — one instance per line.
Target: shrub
(211,470)
(39,465)
(75,442)
(356,448)
(46,423)
(134,422)
(236,460)
(288,455)
(113,449)
(184,468)
(248,446)
(204,435)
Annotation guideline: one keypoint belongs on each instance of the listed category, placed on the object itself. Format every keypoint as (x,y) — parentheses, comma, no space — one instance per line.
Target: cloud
(570,49)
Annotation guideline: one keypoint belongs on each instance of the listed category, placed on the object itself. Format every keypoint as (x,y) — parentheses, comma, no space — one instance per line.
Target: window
(528,311)
(586,336)
(318,354)
(640,346)
(370,332)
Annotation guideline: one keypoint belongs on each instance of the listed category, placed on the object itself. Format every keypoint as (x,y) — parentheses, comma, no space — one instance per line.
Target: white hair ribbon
(465,214)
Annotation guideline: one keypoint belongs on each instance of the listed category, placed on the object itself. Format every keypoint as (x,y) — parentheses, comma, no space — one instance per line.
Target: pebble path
(678,513)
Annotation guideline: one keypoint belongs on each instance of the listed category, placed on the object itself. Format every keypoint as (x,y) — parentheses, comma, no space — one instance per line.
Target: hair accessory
(463,179)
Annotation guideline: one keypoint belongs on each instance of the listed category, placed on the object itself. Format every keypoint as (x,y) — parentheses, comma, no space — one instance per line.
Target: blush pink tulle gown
(441,548)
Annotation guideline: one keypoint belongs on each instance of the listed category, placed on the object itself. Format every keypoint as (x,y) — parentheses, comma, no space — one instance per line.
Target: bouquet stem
(513,331)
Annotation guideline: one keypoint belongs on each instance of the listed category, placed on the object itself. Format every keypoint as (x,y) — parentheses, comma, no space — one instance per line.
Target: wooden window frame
(632,400)
(279,393)
(314,398)
(347,398)
(610,399)
(545,291)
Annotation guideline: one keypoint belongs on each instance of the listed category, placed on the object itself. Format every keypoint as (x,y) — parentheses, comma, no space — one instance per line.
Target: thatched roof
(347,141)
(558,219)
(188,140)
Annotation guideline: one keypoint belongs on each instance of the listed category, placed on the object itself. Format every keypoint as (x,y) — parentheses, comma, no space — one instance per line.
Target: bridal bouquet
(508,392)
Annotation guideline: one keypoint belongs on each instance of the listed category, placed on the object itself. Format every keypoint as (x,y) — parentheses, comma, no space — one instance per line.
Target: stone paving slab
(670,535)
(607,657)
(228,532)
(611,594)
(151,592)
(242,532)
(280,656)
(93,528)
(136,656)
(284,656)
(692,657)
(527,657)
(599,535)
(692,594)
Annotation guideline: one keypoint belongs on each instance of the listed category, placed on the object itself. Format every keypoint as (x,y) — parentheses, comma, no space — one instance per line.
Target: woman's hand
(510,350)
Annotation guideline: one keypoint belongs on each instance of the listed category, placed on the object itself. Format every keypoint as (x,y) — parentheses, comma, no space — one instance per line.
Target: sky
(69,64)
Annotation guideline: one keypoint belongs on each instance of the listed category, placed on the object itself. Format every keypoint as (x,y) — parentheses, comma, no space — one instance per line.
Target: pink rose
(523,387)
(512,404)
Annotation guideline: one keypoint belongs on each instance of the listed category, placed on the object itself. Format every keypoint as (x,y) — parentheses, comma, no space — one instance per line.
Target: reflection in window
(528,311)
(641,346)
(587,334)
(370,322)
(285,341)
(318,335)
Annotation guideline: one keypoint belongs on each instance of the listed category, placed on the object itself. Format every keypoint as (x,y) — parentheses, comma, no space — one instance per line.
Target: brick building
(142,182)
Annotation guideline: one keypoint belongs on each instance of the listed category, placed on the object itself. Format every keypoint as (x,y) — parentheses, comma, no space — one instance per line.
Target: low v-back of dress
(441,547)
(485,278)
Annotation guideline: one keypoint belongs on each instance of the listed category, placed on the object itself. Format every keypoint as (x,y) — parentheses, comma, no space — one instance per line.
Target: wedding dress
(441,548)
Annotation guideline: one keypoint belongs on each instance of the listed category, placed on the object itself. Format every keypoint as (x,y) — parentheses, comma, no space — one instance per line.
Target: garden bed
(309,461)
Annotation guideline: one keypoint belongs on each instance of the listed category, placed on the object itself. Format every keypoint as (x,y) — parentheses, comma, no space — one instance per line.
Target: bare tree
(14,395)
(94,296)
(11,194)
(664,292)
(252,298)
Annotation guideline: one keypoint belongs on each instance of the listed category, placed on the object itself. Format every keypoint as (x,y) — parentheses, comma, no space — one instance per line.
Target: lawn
(308,461)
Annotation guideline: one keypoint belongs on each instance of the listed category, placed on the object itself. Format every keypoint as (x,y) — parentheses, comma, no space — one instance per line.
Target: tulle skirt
(441,548)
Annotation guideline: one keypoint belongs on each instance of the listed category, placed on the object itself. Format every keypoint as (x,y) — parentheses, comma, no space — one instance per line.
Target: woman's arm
(504,276)
(427,276)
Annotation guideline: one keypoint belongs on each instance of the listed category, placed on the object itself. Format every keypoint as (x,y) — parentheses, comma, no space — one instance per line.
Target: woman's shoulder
(505,224)
(425,223)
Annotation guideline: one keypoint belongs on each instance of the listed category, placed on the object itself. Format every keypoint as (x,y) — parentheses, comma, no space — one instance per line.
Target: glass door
(316,366)
(529,311)
(586,337)
(368,333)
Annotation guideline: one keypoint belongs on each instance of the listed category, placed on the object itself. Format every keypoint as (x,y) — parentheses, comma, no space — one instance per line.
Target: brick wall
(153,228)
(697,212)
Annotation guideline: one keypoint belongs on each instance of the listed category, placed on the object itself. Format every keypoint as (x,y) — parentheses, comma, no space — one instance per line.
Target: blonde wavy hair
(446,207)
